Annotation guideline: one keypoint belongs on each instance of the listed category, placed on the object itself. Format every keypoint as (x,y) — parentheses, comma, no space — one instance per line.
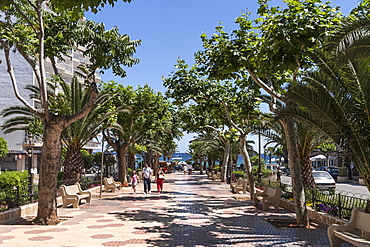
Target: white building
(24,149)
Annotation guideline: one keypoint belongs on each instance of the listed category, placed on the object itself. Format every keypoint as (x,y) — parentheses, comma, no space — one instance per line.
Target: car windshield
(321,175)
(332,169)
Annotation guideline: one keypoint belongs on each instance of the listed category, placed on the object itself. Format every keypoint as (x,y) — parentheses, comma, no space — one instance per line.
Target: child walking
(134,180)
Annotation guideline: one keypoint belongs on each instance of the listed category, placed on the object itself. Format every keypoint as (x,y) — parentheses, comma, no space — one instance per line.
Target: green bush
(265,172)
(9,179)
(239,174)
(342,171)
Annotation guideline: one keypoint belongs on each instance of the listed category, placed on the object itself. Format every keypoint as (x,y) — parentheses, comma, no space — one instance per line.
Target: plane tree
(150,113)
(234,103)
(41,29)
(273,52)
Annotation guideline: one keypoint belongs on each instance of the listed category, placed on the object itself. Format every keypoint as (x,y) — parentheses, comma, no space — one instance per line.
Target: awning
(318,157)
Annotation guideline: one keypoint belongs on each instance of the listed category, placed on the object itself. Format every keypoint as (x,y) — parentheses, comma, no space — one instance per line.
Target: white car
(323,180)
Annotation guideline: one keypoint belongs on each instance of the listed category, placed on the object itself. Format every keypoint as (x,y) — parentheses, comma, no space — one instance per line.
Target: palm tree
(307,138)
(79,133)
(270,151)
(72,99)
(336,99)
(352,39)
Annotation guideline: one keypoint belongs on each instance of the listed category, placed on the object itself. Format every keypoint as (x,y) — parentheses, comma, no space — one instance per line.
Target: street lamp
(30,169)
(107,155)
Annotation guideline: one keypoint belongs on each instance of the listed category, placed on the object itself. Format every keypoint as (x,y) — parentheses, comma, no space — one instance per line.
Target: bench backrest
(70,189)
(108,180)
(273,192)
(240,182)
(362,221)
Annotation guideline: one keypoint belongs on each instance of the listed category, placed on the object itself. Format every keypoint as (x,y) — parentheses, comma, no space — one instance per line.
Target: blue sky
(171,29)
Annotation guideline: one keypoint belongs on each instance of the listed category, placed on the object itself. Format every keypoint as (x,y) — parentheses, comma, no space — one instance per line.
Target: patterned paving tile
(193,211)
(102,236)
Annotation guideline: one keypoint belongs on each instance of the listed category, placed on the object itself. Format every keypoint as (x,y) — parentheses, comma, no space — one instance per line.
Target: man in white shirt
(147,176)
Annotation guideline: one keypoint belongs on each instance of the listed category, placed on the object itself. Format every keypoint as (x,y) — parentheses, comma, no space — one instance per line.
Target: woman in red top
(160,180)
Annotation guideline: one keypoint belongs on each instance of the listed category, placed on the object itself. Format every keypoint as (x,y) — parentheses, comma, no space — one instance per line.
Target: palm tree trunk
(131,161)
(306,171)
(49,167)
(298,190)
(72,166)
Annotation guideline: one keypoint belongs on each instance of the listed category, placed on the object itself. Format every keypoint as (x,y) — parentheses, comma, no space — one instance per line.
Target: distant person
(185,168)
(147,177)
(190,168)
(160,180)
(278,174)
(134,181)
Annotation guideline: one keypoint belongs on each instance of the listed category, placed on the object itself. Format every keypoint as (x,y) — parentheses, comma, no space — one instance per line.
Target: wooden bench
(269,197)
(111,185)
(240,185)
(356,231)
(73,194)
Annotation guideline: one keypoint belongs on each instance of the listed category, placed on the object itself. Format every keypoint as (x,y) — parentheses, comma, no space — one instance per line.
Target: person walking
(160,180)
(147,177)
(278,174)
(134,181)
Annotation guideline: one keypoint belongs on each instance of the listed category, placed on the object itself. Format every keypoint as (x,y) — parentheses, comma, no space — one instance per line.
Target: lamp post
(30,169)
(107,155)
(259,176)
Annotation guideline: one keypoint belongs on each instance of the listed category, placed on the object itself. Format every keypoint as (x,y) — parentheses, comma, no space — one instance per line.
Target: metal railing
(336,203)
(22,195)
(17,196)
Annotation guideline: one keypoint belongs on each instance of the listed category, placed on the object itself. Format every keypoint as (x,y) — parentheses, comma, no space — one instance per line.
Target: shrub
(265,172)
(9,179)
(342,171)
(239,174)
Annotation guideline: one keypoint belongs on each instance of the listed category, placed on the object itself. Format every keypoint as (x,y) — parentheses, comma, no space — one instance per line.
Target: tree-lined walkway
(193,211)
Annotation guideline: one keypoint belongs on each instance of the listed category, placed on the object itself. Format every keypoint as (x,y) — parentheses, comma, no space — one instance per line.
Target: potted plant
(342,175)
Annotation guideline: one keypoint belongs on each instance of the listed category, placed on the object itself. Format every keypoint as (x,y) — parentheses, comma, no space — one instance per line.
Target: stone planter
(321,217)
(342,179)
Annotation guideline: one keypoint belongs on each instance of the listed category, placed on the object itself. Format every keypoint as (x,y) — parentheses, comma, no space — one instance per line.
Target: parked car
(283,169)
(324,180)
(333,171)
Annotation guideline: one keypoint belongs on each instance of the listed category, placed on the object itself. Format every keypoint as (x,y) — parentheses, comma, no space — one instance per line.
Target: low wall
(31,209)
(321,217)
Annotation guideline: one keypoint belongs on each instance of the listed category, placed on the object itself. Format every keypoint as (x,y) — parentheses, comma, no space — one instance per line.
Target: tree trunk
(122,164)
(155,164)
(295,168)
(247,165)
(72,166)
(131,161)
(286,156)
(210,162)
(225,160)
(49,167)
(201,166)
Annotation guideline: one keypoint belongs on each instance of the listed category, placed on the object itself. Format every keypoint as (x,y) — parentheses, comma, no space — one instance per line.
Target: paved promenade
(192,211)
